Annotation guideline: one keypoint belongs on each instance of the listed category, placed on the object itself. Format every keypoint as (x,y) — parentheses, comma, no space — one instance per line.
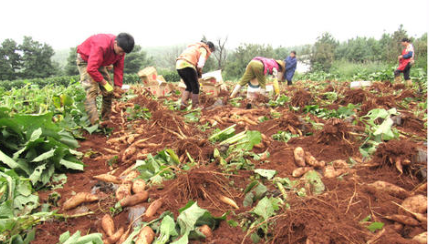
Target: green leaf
(314,182)
(267,173)
(266,207)
(375,226)
(71,165)
(188,217)
(14,165)
(44,156)
(167,229)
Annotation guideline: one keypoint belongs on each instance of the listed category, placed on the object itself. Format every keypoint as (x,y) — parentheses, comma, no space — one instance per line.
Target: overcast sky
(64,23)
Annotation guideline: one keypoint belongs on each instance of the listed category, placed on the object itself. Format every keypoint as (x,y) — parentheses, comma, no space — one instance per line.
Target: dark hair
(405,39)
(210,44)
(125,41)
(293,52)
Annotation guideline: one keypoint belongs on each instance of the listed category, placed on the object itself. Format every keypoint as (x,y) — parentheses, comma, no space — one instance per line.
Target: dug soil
(342,213)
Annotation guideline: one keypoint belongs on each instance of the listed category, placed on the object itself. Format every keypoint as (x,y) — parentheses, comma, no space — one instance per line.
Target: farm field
(321,163)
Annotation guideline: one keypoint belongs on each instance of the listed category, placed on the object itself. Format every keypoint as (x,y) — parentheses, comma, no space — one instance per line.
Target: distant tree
(323,54)
(10,60)
(71,67)
(36,59)
(239,59)
(221,52)
(421,51)
(137,60)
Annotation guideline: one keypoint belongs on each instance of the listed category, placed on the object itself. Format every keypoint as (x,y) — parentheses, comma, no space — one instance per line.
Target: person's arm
(202,60)
(408,55)
(119,72)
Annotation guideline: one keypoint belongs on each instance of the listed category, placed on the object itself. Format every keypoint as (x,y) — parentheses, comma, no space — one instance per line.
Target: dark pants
(190,77)
(406,72)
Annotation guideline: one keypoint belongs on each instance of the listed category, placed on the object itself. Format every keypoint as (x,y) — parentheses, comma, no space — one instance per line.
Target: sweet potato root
(206,230)
(123,191)
(298,172)
(299,156)
(131,176)
(134,199)
(406,220)
(416,204)
(108,178)
(312,161)
(108,225)
(115,237)
(145,236)
(389,188)
(153,207)
(421,238)
(139,186)
(330,172)
(229,201)
(81,197)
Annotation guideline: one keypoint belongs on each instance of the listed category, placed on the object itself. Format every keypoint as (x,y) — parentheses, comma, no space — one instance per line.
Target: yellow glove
(276,87)
(107,86)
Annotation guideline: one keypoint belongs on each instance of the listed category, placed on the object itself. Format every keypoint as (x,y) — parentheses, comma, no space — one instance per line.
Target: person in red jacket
(406,59)
(189,66)
(94,56)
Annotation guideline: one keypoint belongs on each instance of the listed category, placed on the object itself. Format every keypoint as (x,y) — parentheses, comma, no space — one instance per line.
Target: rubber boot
(106,107)
(409,83)
(397,79)
(195,100)
(91,110)
(235,91)
(184,100)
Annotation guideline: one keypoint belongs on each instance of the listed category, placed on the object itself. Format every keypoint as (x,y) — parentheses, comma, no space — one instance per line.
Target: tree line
(33,59)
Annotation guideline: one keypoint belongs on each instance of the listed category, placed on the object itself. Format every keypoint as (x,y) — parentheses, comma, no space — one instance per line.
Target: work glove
(107,86)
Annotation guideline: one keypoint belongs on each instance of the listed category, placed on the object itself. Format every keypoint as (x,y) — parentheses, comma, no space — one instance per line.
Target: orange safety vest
(192,53)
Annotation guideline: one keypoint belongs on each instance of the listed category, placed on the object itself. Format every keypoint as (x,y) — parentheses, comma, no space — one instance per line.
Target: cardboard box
(148,75)
(209,88)
(162,89)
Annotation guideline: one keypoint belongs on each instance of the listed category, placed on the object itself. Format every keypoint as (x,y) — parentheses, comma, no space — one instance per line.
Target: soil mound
(301,98)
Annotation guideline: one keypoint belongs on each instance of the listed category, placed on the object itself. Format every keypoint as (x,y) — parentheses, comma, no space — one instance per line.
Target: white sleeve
(202,59)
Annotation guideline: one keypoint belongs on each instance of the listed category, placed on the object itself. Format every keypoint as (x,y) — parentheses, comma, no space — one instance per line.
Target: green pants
(254,69)
(93,89)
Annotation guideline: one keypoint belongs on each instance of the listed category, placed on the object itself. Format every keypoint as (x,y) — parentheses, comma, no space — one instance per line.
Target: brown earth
(335,216)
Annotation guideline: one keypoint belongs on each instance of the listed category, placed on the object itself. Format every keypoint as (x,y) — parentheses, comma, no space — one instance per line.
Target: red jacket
(98,51)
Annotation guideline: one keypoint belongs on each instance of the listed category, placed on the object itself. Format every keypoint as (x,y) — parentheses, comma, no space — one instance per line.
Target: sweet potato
(339,163)
(298,172)
(389,188)
(108,225)
(128,152)
(312,161)
(416,204)
(330,172)
(108,178)
(131,176)
(229,201)
(139,186)
(421,238)
(153,207)
(115,237)
(78,199)
(403,219)
(145,236)
(123,191)
(134,199)
(206,230)
(299,156)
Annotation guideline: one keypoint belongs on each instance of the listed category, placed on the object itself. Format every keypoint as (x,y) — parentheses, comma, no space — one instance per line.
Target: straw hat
(282,64)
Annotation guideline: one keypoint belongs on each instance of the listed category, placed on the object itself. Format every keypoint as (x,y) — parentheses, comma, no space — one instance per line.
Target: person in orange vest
(406,60)
(190,65)
(257,68)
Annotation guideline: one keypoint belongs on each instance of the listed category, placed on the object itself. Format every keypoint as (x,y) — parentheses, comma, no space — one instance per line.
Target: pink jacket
(269,64)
